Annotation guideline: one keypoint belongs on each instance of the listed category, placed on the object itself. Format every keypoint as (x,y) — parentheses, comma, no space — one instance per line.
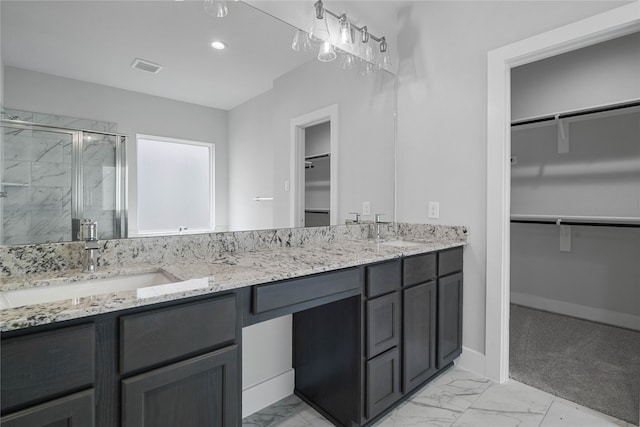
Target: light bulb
(365,68)
(301,42)
(347,61)
(326,53)
(345,30)
(217,8)
(320,29)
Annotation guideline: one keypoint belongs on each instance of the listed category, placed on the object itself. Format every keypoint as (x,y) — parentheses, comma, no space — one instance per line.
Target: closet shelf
(597,221)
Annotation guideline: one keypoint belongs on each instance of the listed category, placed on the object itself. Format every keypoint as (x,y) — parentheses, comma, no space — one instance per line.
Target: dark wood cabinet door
(74,410)
(449,318)
(383,382)
(419,339)
(383,323)
(202,391)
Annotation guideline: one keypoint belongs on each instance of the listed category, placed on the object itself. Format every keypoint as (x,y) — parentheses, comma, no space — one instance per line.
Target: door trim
(602,27)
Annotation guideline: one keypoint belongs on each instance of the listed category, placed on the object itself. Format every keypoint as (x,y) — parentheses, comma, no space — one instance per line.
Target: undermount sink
(399,243)
(85,288)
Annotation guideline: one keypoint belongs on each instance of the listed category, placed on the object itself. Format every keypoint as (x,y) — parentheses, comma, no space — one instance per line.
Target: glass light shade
(217,8)
(385,62)
(347,61)
(327,53)
(346,35)
(365,69)
(301,42)
(319,30)
(367,52)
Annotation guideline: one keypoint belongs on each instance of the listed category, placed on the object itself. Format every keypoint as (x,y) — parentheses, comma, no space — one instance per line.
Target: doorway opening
(314,168)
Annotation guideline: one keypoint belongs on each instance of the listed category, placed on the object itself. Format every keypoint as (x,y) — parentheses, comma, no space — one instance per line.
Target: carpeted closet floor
(592,364)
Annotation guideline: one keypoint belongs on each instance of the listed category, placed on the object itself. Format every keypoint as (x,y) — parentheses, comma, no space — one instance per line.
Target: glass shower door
(36,184)
(101,183)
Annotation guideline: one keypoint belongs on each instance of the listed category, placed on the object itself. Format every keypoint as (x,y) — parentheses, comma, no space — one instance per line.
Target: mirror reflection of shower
(56,173)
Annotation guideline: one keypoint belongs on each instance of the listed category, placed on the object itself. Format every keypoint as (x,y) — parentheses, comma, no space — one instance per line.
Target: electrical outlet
(434,210)
(366,208)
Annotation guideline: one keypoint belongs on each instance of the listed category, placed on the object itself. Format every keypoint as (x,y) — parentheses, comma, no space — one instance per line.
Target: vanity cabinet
(166,364)
(42,373)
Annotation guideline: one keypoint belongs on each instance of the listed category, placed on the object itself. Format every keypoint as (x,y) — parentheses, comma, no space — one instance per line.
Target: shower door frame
(77,178)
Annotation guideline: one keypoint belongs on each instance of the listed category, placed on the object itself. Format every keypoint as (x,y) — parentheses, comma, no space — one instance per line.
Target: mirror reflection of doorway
(317,176)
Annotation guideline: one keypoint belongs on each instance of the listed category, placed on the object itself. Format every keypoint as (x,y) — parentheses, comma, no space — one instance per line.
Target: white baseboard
(472,361)
(261,395)
(609,317)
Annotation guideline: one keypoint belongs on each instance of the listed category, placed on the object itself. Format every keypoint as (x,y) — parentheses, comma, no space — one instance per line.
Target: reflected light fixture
(217,8)
(367,50)
(218,45)
(301,42)
(345,40)
(385,59)
(347,61)
(320,28)
(327,53)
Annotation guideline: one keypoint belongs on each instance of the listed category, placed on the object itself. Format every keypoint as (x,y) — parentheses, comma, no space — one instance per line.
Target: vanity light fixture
(217,8)
(218,45)
(345,41)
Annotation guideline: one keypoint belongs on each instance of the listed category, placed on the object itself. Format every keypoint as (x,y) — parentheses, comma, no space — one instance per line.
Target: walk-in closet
(575,226)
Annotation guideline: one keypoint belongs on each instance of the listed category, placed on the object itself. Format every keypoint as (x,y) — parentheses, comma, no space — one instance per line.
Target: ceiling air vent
(144,65)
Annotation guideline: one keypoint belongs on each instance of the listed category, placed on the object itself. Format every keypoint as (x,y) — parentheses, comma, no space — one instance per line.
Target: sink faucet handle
(378,217)
(89,229)
(357,215)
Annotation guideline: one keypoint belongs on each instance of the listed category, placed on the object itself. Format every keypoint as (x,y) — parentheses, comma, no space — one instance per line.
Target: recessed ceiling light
(218,45)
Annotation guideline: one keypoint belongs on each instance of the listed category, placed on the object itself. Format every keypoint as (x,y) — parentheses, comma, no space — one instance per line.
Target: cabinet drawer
(450,261)
(382,278)
(166,334)
(418,269)
(74,410)
(47,364)
(383,382)
(383,323)
(297,291)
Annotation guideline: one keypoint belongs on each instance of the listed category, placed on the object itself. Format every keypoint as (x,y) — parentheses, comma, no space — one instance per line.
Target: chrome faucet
(89,233)
(353,221)
(378,223)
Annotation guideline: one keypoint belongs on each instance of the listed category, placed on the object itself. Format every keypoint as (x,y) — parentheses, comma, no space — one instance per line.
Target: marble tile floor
(454,399)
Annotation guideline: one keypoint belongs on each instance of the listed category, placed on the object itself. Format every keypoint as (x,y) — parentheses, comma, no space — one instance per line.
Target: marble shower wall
(37,175)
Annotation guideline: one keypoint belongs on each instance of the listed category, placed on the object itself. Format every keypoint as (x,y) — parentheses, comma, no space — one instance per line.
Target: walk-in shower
(53,177)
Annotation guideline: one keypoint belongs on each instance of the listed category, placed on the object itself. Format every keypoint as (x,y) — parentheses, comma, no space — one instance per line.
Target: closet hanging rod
(317,156)
(595,221)
(584,112)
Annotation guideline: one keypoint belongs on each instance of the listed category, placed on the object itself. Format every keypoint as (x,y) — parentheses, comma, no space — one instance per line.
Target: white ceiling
(96,41)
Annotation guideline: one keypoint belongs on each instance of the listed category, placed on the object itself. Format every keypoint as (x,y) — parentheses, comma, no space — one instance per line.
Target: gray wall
(599,279)
(134,113)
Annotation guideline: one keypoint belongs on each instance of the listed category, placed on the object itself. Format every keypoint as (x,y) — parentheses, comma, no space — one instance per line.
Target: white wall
(133,112)
(366,133)
(601,74)
(251,164)
(442,116)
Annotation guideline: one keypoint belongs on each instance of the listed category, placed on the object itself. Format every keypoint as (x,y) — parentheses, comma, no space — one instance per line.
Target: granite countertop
(194,277)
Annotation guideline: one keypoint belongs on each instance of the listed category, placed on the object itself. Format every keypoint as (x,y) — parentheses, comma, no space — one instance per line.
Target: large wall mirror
(280,138)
